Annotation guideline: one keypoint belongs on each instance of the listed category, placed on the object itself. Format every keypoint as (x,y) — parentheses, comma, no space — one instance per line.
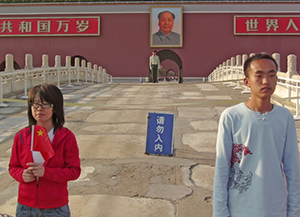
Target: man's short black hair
(173,15)
(257,57)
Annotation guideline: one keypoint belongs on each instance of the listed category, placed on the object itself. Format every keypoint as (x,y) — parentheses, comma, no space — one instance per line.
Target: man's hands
(33,170)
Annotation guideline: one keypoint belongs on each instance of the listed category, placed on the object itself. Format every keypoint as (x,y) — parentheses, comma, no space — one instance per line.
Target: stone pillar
(232,64)
(238,64)
(238,60)
(83,63)
(89,65)
(291,65)
(244,58)
(276,56)
(252,54)
(45,61)
(232,61)
(68,61)
(95,67)
(9,63)
(28,61)
(227,67)
(57,61)
(224,71)
(77,61)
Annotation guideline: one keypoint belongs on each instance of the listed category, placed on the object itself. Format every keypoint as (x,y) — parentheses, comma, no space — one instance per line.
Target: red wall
(123,47)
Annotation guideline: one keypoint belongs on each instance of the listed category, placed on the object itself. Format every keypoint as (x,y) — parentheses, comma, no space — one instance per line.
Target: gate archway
(171,55)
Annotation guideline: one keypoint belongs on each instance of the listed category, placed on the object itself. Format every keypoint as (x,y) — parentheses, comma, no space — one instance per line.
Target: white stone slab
(119,116)
(170,192)
(111,146)
(220,97)
(196,112)
(116,206)
(202,142)
(204,125)
(207,87)
(117,128)
(203,176)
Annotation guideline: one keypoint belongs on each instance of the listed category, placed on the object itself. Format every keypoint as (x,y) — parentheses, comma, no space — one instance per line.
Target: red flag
(41,142)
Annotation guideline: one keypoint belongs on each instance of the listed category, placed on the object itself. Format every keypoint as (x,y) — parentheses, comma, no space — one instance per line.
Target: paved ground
(118,178)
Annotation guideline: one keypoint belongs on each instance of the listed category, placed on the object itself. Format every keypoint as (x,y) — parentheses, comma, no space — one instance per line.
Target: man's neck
(261,105)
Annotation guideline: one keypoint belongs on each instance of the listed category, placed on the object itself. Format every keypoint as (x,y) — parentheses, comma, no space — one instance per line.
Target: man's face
(166,23)
(262,78)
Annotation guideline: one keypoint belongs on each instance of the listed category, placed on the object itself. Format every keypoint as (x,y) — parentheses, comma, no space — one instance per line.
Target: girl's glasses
(42,105)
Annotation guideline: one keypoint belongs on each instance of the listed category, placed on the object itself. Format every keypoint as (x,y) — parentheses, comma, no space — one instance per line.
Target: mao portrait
(166,27)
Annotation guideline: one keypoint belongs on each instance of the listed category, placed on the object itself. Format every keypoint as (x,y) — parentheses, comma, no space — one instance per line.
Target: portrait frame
(176,30)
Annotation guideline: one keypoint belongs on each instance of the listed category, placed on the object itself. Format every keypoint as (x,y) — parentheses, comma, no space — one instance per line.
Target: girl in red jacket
(43,184)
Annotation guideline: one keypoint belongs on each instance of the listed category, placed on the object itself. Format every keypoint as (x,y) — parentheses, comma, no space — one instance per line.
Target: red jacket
(51,192)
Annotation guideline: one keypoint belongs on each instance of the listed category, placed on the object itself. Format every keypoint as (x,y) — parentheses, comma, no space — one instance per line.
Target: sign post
(160,134)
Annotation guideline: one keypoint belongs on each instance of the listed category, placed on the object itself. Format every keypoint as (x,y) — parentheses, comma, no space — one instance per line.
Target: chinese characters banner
(267,25)
(50,26)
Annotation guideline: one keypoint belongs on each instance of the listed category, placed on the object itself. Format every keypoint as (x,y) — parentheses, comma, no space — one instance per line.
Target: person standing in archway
(154,64)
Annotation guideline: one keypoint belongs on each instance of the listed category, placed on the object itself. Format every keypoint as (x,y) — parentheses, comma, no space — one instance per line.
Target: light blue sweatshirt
(255,154)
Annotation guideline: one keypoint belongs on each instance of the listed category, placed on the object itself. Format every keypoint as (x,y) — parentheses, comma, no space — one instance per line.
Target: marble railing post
(77,62)
(83,65)
(276,56)
(291,70)
(251,55)
(105,76)
(68,65)
(221,72)
(96,73)
(227,68)
(9,63)
(68,61)
(9,67)
(232,64)
(225,72)
(57,61)
(28,77)
(45,64)
(28,61)
(57,64)
(101,73)
(291,65)
(45,61)
(244,58)
(238,64)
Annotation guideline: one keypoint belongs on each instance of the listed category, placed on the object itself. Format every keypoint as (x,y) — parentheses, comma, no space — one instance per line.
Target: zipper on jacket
(37,189)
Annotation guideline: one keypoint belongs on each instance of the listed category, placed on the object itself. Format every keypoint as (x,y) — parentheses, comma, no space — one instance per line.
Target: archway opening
(80,58)
(170,57)
(2,66)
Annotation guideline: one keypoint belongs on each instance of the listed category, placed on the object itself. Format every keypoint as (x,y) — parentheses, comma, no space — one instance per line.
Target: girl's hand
(37,169)
(28,176)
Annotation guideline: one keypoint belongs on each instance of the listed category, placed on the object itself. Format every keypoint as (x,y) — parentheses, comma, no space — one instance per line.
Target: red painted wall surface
(123,47)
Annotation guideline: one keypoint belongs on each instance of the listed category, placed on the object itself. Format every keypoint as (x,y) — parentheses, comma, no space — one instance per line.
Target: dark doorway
(80,58)
(171,55)
(2,66)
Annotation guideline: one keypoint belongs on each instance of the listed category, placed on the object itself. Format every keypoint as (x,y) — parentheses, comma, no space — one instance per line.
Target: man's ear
(246,82)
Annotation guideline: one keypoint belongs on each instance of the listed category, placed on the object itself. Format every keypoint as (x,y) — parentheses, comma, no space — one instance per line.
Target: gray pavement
(118,178)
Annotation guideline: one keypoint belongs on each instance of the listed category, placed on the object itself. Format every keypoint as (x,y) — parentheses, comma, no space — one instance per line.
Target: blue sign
(160,134)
